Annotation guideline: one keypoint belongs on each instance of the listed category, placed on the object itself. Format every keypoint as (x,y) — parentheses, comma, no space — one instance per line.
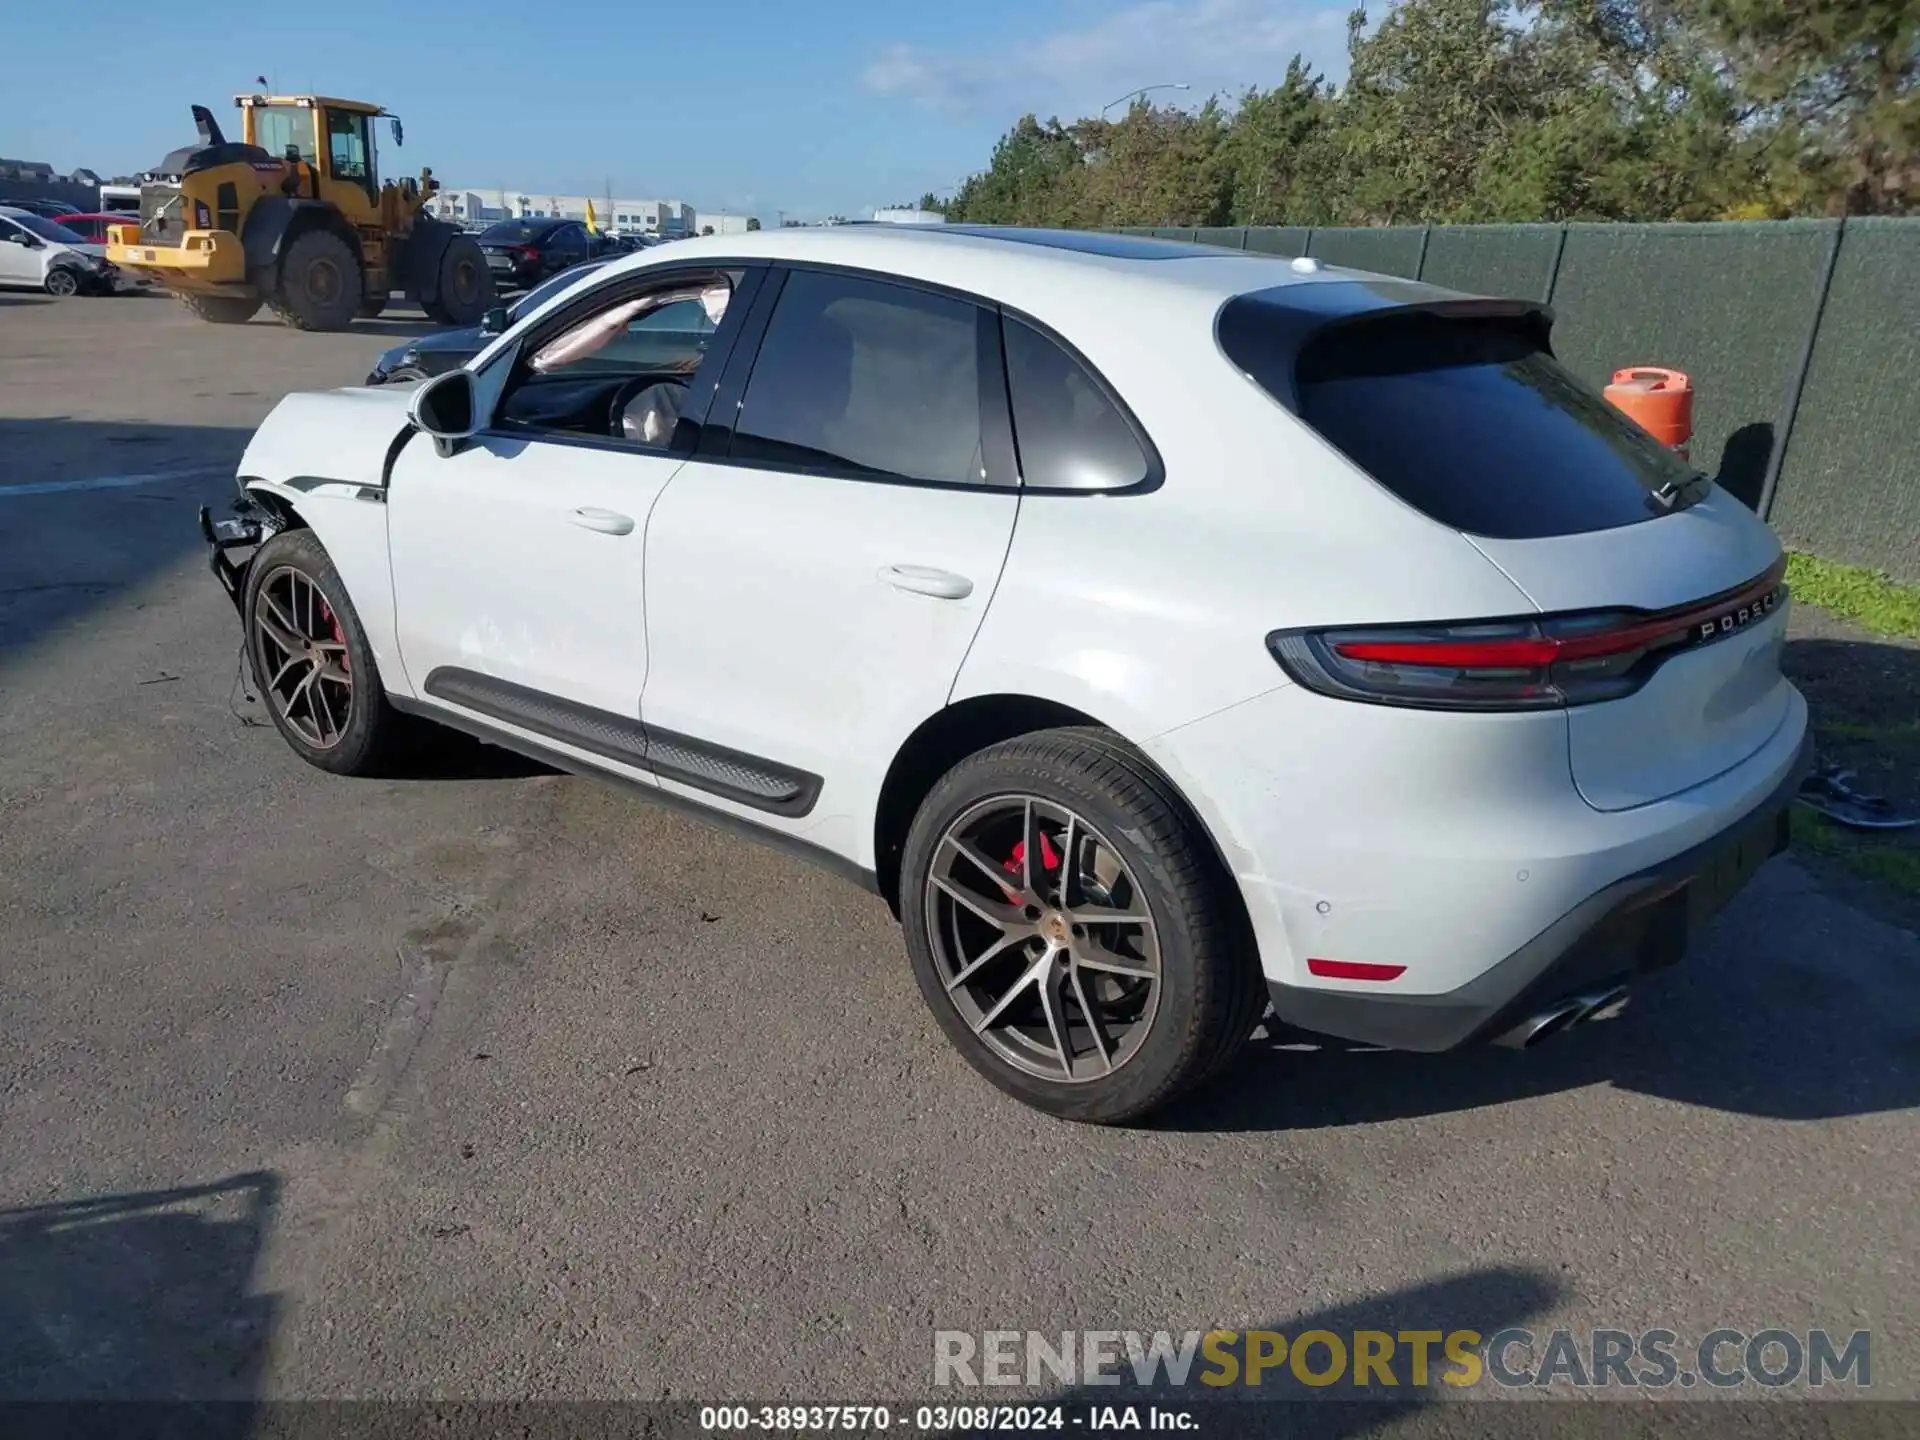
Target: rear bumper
(1636,925)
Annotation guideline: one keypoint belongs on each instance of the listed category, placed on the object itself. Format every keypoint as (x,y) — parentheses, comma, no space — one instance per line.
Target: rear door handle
(607,522)
(925,580)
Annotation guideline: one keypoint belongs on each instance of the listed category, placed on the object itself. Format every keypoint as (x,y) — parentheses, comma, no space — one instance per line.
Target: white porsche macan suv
(1164,632)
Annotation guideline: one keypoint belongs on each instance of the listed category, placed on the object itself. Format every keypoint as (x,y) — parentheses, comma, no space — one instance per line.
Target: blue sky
(754,106)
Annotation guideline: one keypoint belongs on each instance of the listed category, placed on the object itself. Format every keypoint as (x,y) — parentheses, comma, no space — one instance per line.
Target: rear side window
(1471,421)
(1069,434)
(866,378)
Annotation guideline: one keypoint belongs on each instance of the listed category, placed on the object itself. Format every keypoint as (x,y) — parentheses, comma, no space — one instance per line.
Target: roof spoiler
(1287,318)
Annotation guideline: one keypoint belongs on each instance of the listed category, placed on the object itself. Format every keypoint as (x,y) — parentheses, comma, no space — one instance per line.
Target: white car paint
(764,612)
(521,559)
(26,266)
(829,622)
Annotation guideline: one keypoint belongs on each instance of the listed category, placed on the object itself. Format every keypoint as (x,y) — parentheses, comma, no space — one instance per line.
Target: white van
(41,254)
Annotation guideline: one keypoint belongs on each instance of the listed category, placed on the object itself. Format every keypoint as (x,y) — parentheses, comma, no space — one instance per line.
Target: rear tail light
(526,253)
(1544,663)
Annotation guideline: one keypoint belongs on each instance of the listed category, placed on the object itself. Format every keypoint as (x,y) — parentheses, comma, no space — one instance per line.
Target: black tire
(61,283)
(1211,991)
(222,309)
(373,735)
(464,286)
(321,287)
(371,306)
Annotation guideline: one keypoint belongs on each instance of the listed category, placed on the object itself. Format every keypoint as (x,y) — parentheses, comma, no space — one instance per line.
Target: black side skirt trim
(805,850)
(731,774)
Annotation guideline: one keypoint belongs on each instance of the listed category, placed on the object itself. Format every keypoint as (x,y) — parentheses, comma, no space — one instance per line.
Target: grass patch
(1864,596)
(1894,866)
(1901,734)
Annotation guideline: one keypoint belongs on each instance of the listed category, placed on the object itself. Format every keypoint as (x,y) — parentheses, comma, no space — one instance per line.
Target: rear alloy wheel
(320,283)
(311,659)
(62,282)
(222,309)
(1069,926)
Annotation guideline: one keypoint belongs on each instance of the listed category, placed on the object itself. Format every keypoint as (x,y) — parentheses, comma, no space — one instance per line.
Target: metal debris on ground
(1830,791)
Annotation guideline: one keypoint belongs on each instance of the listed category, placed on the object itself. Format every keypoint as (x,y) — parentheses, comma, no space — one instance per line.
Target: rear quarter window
(1471,421)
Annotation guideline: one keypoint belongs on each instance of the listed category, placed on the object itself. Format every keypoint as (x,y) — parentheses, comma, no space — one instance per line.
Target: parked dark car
(619,244)
(522,253)
(52,209)
(426,355)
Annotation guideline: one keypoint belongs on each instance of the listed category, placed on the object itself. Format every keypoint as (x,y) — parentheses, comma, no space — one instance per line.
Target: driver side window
(625,370)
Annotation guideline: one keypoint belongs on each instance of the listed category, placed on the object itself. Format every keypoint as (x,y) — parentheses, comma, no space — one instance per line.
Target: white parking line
(109,482)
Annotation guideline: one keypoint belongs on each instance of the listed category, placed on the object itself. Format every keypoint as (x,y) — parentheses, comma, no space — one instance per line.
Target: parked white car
(1162,631)
(41,254)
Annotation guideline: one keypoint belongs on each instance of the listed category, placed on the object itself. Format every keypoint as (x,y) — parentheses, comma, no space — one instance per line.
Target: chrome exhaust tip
(1563,1015)
(1605,1005)
(1536,1029)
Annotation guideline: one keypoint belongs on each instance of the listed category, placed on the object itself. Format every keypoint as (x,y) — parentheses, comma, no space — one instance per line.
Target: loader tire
(321,287)
(222,309)
(466,284)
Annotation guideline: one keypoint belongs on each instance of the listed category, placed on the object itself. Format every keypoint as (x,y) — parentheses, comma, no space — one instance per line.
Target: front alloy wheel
(312,660)
(310,678)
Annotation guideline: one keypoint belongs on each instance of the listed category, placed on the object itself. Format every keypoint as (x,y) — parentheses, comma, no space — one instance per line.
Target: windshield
(547,289)
(515,230)
(48,230)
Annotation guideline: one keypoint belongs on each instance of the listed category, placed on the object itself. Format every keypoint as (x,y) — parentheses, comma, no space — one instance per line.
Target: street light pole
(1143,90)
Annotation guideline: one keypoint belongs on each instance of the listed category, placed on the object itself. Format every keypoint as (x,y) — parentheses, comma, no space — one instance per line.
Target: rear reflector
(1354,970)
(1532,664)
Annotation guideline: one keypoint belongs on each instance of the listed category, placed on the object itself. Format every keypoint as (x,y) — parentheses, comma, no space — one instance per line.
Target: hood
(328,437)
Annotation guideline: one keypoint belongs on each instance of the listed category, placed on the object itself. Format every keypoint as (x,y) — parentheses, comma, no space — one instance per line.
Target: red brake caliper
(1017,862)
(333,624)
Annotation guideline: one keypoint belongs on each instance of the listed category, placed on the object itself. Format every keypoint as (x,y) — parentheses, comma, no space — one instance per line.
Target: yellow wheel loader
(293,215)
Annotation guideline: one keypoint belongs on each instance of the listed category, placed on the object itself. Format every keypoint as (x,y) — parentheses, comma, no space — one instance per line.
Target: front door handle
(925,580)
(607,522)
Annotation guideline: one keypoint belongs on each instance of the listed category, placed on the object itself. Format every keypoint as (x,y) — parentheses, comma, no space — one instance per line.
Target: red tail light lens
(526,252)
(1536,664)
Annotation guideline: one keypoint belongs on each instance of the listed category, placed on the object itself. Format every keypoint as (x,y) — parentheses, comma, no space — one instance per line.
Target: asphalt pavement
(496,1083)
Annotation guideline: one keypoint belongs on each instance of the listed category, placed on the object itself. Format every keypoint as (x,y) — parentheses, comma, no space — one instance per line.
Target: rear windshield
(1470,421)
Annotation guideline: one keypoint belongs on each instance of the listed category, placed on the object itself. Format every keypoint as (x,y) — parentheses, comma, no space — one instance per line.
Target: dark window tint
(1069,434)
(515,231)
(1472,422)
(866,377)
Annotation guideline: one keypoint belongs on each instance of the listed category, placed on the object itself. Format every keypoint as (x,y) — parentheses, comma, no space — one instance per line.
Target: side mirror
(443,407)
(399,135)
(494,322)
(21,238)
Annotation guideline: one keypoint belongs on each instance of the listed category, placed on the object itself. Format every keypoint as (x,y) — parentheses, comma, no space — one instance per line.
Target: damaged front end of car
(250,525)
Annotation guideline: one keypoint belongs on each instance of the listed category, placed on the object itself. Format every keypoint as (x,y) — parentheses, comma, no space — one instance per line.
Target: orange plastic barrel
(1659,400)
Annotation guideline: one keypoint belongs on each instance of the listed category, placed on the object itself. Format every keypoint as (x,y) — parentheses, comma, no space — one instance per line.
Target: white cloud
(1213,45)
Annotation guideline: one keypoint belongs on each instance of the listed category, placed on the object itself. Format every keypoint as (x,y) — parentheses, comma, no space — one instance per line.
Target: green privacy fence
(1802,338)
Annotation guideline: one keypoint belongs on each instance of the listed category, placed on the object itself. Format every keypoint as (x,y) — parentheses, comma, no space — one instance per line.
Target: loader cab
(336,137)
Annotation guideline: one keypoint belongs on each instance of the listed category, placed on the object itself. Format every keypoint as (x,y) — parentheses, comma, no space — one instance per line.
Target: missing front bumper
(246,529)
